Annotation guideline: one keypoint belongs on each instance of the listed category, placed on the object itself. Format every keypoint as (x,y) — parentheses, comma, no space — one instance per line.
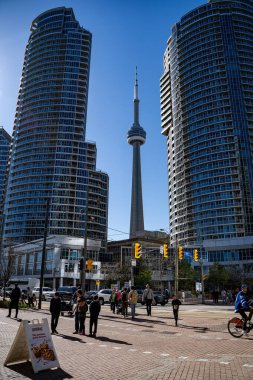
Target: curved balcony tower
(136,137)
(50,157)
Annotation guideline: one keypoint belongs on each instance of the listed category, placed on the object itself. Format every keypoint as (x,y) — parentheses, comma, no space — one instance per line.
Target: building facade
(62,259)
(136,137)
(206,110)
(50,158)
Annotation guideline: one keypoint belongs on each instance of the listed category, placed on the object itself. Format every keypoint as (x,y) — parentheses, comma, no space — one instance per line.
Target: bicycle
(235,327)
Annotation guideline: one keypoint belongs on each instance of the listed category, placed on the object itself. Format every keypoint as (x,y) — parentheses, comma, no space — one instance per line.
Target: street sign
(133,263)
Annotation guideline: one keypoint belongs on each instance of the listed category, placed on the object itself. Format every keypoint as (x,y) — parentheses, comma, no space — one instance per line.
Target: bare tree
(7,268)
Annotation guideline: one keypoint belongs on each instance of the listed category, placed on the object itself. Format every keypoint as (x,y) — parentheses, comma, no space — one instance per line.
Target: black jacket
(55,305)
(15,295)
(95,308)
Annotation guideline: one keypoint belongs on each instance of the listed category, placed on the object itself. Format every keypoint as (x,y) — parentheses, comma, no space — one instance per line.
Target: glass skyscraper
(50,158)
(207,117)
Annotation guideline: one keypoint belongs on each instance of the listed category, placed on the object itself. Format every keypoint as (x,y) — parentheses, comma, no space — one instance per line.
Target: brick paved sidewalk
(148,348)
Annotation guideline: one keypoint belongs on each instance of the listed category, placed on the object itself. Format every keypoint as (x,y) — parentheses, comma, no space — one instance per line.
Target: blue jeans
(132,306)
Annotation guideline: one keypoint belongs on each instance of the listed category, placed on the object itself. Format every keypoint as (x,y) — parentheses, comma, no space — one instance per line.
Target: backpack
(124,297)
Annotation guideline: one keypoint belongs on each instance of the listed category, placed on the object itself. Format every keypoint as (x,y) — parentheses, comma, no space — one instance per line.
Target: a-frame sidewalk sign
(33,342)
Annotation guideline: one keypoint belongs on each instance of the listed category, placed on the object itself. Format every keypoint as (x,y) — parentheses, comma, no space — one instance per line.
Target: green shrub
(4,304)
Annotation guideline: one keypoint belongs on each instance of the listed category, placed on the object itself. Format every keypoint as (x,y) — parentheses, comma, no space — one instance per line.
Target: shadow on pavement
(196,328)
(72,338)
(116,341)
(25,369)
(129,321)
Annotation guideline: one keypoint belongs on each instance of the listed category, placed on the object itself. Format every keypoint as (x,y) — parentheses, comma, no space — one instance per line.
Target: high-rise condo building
(5,140)
(136,137)
(207,118)
(50,158)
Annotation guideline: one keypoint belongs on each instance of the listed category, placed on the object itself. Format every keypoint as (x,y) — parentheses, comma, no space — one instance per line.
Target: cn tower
(136,137)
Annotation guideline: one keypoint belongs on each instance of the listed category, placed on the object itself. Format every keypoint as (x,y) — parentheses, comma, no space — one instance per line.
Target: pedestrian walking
(95,308)
(34,299)
(113,300)
(148,298)
(124,297)
(15,297)
(29,297)
(175,306)
(118,297)
(224,296)
(76,297)
(83,308)
(55,310)
(133,298)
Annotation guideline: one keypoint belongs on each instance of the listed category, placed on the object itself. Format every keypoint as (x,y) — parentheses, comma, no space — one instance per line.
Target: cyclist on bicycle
(243,304)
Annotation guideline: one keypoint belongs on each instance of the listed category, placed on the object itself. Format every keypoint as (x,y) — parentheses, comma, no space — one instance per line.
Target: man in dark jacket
(95,308)
(55,310)
(15,297)
(175,306)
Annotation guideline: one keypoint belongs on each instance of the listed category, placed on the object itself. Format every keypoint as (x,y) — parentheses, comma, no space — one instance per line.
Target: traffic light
(180,253)
(165,251)
(137,250)
(89,264)
(195,255)
(81,264)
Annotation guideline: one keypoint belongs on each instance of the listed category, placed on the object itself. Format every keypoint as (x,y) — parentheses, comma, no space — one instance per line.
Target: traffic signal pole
(202,276)
(83,271)
(176,268)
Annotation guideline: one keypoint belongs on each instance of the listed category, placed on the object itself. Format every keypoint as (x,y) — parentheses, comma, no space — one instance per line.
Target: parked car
(46,292)
(67,291)
(8,291)
(140,294)
(160,298)
(104,295)
(89,295)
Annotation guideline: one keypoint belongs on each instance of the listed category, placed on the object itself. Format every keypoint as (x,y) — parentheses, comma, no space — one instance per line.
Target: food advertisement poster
(40,346)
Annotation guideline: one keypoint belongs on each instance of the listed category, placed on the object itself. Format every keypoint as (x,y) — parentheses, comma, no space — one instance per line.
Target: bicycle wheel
(235,327)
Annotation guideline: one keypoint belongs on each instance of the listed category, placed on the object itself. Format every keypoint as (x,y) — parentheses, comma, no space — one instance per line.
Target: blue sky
(125,33)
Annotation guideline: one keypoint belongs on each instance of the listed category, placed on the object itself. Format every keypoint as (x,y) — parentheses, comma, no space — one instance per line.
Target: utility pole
(43,254)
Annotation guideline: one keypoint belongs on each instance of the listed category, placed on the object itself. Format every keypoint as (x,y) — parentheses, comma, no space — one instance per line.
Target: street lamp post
(43,254)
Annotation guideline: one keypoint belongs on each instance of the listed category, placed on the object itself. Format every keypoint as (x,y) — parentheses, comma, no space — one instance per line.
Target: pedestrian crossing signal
(137,250)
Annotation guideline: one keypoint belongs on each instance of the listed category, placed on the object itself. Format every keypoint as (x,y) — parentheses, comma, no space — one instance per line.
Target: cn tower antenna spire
(136,84)
(136,100)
